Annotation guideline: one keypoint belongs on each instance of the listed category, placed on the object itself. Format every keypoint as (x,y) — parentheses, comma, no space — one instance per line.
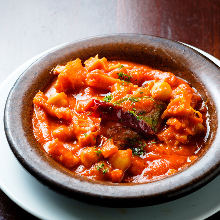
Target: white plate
(44,203)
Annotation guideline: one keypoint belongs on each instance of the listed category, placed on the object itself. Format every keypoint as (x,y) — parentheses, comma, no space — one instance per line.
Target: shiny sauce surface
(119,121)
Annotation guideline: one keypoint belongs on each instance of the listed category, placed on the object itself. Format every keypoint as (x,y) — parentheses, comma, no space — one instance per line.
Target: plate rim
(28,63)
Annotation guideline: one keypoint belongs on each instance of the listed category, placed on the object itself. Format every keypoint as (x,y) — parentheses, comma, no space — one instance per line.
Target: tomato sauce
(119,121)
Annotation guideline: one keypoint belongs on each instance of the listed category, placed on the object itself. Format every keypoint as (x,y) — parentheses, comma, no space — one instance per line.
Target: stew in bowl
(122,120)
(119,121)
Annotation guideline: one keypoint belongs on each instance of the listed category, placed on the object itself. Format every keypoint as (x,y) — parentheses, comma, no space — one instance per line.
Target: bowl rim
(164,192)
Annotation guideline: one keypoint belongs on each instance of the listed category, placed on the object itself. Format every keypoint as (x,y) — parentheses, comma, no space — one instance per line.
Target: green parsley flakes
(123,76)
(101,167)
(108,98)
(98,152)
(138,151)
(121,67)
(104,171)
(136,145)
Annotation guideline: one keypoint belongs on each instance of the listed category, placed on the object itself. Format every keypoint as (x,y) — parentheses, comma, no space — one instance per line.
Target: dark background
(28,27)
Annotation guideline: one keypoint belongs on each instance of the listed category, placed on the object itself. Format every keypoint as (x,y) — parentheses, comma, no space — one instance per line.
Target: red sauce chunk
(119,121)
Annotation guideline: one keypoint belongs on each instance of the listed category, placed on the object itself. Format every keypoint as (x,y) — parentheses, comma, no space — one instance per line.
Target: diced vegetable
(161,91)
(89,156)
(121,160)
(96,63)
(58,99)
(117,175)
(57,150)
(64,133)
(180,104)
(71,77)
(109,148)
(41,100)
(83,105)
(99,80)
(88,138)
(86,128)
(137,165)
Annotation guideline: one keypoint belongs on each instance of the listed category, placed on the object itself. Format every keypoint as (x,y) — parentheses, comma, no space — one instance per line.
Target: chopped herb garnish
(138,151)
(138,115)
(120,101)
(133,113)
(89,113)
(85,134)
(124,76)
(100,166)
(137,146)
(141,92)
(108,98)
(121,67)
(132,99)
(98,152)
(153,142)
(153,119)
(141,112)
(104,171)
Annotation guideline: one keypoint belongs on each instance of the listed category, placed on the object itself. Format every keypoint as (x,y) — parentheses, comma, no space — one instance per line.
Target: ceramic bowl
(157,52)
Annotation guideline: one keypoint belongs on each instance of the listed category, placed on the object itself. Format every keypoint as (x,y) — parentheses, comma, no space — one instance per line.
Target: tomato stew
(119,121)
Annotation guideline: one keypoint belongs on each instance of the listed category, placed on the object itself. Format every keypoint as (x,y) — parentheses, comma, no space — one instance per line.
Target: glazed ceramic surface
(156,52)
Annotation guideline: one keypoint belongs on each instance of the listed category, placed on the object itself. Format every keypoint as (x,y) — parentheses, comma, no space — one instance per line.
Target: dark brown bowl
(153,51)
